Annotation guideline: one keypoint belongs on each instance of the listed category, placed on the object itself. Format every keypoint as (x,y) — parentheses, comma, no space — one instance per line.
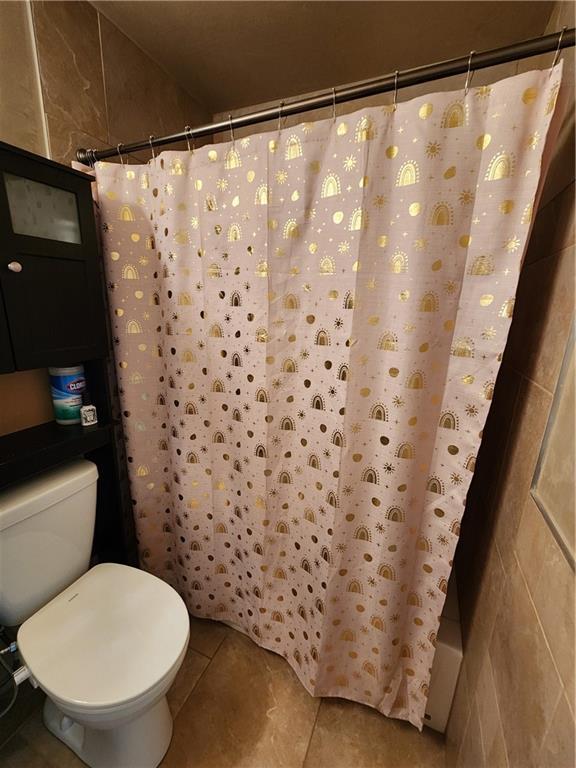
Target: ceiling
(235,54)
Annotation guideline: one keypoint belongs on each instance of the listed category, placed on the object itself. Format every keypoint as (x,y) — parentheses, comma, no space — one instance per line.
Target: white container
(67,386)
(46,533)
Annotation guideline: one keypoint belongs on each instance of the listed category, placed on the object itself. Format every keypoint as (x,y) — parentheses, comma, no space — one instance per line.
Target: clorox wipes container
(67,385)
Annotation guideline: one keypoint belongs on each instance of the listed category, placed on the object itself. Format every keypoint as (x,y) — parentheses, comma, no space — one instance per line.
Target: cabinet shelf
(33,450)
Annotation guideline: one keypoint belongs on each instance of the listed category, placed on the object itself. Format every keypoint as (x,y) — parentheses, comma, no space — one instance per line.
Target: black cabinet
(6,356)
(51,304)
(53,313)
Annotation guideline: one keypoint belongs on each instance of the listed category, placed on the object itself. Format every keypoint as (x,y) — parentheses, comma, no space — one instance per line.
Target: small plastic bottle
(88,415)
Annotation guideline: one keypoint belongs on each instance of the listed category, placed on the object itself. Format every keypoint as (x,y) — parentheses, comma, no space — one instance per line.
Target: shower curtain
(308,326)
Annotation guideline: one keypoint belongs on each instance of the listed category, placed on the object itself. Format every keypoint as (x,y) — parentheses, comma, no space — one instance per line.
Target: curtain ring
(280,108)
(469,74)
(395,103)
(231,128)
(557,54)
(120,153)
(151,147)
(334,105)
(189,135)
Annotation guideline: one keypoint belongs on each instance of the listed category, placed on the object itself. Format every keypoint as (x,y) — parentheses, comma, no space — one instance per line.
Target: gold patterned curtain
(309,324)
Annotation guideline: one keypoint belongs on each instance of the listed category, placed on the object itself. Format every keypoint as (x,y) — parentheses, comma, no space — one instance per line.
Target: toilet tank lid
(43,491)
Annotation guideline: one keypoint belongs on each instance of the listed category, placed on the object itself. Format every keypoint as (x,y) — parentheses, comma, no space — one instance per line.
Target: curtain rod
(415,76)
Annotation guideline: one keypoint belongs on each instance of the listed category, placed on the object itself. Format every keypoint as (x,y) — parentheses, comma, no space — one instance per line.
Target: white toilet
(104,644)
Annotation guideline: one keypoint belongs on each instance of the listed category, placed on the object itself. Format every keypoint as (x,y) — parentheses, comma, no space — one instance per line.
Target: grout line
(495,692)
(20,725)
(38,76)
(121,29)
(498,476)
(312,732)
(553,199)
(210,660)
(526,378)
(106,116)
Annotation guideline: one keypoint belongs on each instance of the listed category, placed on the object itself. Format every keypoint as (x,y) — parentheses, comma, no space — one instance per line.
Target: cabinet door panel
(51,311)
(54,304)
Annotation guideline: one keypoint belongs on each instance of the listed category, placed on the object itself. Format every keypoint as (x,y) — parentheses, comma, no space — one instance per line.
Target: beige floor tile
(206,636)
(349,735)
(188,675)
(27,701)
(18,753)
(247,711)
(35,747)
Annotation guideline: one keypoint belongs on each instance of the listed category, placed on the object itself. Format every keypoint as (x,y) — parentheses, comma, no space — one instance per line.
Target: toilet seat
(110,638)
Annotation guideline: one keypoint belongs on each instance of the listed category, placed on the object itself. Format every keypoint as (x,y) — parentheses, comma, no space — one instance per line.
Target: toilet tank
(46,532)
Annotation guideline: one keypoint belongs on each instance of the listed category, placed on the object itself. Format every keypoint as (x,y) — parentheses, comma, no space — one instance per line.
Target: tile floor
(238,706)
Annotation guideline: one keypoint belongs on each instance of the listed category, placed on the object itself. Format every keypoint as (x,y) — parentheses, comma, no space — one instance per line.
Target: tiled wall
(514,704)
(70,78)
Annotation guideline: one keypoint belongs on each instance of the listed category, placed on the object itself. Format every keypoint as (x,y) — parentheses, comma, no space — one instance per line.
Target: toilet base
(140,743)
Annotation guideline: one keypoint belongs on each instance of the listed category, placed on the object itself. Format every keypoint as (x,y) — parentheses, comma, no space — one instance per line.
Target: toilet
(103,643)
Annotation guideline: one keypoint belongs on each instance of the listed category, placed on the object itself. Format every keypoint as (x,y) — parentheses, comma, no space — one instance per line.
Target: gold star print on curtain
(308,327)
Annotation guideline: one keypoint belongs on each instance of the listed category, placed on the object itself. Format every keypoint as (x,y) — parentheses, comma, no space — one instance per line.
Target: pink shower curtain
(308,327)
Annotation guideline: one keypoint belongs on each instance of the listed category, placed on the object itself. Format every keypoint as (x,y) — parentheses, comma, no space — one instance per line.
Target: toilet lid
(108,638)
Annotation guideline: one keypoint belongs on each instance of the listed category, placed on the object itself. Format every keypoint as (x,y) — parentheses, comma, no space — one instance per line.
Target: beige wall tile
(499,425)
(558,750)
(542,317)
(544,228)
(564,232)
(554,488)
(525,678)
(471,754)
(531,543)
(520,457)
(21,113)
(561,172)
(496,756)
(65,140)
(553,227)
(472,552)
(548,573)
(486,607)
(488,711)
(141,98)
(458,719)
(68,44)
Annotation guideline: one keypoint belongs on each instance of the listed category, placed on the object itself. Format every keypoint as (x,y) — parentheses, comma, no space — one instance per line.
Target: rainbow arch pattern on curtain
(308,327)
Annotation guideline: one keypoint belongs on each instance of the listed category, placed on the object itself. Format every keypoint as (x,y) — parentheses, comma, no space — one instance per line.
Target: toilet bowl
(105,651)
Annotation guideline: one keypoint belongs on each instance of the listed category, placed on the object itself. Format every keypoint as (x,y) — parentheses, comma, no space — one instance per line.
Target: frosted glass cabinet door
(40,210)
